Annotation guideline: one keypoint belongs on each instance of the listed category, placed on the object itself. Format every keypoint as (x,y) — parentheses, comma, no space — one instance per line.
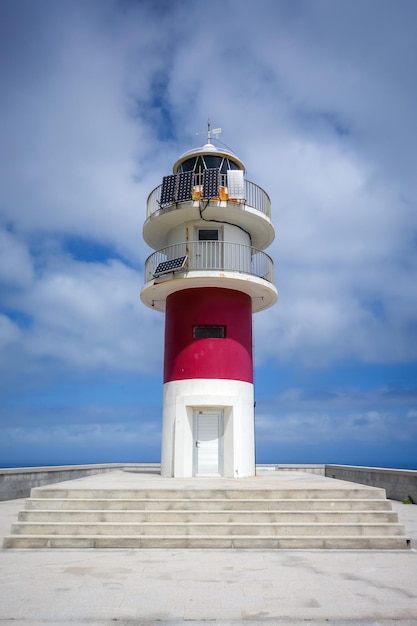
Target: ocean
(12,465)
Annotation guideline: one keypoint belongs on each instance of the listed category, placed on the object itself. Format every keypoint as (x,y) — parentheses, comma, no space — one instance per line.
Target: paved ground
(135,587)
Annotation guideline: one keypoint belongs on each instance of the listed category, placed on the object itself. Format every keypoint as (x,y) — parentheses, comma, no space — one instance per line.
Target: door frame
(209,252)
(220,439)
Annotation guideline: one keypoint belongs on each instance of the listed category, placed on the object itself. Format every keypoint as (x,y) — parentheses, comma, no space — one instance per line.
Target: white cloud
(9,332)
(345,261)
(92,435)
(76,155)
(318,100)
(320,428)
(87,154)
(89,315)
(15,262)
(344,414)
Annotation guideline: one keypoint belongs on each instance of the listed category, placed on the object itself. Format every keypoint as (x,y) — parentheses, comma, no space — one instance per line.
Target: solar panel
(235,184)
(170,266)
(185,186)
(168,189)
(211,183)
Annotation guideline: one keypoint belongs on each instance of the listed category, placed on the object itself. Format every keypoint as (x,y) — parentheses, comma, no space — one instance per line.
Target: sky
(99,98)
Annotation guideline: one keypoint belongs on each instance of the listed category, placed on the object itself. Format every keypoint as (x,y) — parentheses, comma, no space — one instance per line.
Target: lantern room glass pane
(213,161)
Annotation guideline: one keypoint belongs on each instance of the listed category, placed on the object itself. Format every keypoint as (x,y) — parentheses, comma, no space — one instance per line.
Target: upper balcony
(246,205)
(254,196)
(209,263)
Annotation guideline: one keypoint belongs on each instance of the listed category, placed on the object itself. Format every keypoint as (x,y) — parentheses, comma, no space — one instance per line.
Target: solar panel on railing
(168,189)
(235,184)
(211,183)
(169,266)
(185,186)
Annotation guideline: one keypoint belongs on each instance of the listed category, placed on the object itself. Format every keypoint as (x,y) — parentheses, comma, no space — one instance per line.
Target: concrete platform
(173,586)
(274,510)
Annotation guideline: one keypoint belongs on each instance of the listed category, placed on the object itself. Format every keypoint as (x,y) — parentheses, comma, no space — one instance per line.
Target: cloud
(321,429)
(78,443)
(89,315)
(352,398)
(9,332)
(345,263)
(100,99)
(320,417)
(72,142)
(98,435)
(16,268)
(94,108)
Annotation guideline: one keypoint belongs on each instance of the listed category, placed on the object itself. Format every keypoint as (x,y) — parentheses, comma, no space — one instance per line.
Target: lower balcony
(209,263)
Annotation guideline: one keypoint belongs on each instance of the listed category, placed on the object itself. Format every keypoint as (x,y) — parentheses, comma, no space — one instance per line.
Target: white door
(208,430)
(209,249)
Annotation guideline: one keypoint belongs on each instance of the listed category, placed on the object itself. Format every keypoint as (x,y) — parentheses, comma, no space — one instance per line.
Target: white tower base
(208,429)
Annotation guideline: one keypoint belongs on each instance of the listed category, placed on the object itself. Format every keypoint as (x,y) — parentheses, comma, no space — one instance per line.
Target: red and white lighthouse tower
(208,226)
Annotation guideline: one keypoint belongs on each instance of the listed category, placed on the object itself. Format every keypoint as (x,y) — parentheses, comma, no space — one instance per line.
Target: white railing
(214,255)
(255,197)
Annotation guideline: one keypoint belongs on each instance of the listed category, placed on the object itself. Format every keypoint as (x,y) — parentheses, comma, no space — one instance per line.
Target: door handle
(197,444)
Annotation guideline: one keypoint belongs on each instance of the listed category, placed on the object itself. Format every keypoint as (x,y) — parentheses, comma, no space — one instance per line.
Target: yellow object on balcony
(223,193)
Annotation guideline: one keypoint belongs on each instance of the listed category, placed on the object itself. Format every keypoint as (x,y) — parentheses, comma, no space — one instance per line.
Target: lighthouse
(209,227)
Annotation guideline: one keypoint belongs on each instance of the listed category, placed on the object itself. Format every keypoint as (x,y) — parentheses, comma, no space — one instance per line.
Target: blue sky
(318,99)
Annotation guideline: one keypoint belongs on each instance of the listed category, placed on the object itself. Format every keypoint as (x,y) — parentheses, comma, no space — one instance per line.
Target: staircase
(351,517)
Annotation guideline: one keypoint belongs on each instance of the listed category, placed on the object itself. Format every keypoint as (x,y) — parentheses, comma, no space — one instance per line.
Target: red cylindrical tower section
(208,334)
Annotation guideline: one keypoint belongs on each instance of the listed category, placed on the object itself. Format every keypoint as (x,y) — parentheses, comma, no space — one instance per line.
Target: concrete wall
(398,484)
(17,483)
(319,470)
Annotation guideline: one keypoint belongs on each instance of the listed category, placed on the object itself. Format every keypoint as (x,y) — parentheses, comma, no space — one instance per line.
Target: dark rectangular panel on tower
(168,189)
(209,332)
(185,186)
(211,183)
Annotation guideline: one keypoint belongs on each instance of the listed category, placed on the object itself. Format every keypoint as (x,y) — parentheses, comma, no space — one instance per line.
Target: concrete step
(230,528)
(289,542)
(211,494)
(208,516)
(332,517)
(198,504)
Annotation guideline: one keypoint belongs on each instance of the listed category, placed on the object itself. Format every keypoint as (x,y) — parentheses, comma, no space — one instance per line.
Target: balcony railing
(213,255)
(255,196)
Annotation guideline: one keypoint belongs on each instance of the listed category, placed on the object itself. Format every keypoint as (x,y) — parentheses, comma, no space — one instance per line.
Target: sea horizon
(387,465)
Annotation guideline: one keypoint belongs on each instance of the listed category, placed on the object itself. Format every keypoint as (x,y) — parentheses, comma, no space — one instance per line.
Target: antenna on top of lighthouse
(215,131)
(210,133)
